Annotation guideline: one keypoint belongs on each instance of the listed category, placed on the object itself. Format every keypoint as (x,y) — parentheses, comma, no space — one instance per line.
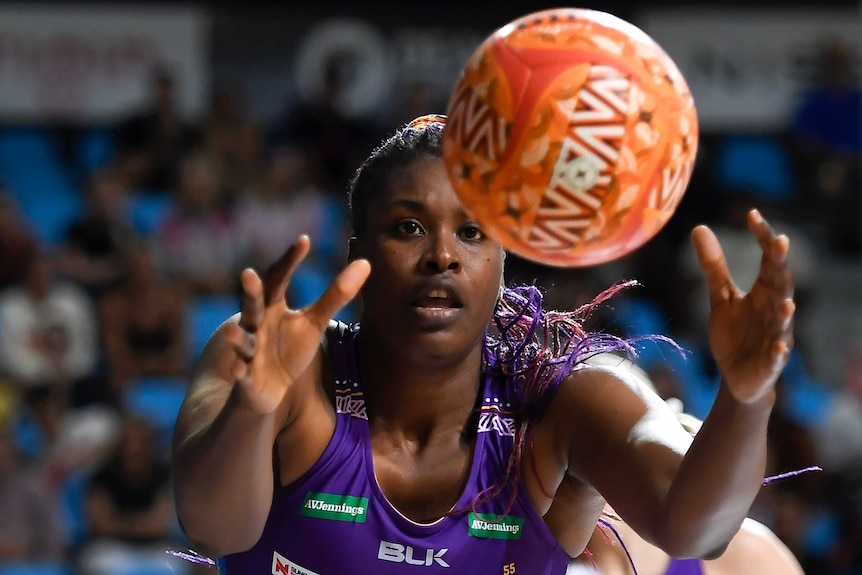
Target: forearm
(719,477)
(223,477)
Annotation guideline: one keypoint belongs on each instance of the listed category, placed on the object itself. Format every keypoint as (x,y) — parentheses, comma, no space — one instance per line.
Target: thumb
(343,289)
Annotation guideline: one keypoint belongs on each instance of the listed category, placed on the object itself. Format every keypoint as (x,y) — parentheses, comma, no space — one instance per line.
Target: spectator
(144,321)
(97,244)
(236,144)
(199,243)
(17,243)
(827,138)
(151,142)
(320,125)
(62,442)
(129,508)
(48,330)
(31,527)
(272,216)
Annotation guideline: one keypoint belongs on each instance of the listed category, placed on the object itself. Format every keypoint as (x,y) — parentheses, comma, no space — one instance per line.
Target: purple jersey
(334,520)
(684,567)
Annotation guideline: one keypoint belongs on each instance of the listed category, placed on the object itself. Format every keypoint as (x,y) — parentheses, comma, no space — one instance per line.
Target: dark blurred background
(149,152)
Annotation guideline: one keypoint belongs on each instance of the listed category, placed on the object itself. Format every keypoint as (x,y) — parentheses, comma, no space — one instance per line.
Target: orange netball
(571,137)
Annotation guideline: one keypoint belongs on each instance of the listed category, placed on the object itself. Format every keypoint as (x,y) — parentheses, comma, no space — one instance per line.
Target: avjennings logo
(335,507)
(490,526)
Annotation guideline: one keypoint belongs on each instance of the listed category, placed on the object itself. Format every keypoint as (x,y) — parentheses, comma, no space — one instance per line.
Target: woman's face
(434,275)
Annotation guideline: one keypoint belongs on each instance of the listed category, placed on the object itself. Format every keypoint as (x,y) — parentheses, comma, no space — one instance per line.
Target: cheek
(490,278)
(387,266)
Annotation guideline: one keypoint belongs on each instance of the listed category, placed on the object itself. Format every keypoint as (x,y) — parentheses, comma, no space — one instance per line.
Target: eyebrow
(414,205)
(418,206)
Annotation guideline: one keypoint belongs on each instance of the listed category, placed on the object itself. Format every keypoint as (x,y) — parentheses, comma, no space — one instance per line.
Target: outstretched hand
(275,344)
(750,334)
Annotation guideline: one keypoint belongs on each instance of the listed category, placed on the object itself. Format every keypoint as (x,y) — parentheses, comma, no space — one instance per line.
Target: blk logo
(397,553)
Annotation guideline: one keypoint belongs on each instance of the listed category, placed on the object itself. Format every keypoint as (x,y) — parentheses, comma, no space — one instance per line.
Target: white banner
(746,68)
(93,62)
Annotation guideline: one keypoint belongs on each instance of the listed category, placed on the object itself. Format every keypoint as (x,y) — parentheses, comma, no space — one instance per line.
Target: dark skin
(418,426)
(262,383)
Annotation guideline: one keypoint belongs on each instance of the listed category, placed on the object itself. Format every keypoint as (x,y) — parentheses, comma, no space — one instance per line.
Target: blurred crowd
(111,282)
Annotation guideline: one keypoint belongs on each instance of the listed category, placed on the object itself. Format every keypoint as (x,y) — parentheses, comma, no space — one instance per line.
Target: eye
(409,228)
(472,232)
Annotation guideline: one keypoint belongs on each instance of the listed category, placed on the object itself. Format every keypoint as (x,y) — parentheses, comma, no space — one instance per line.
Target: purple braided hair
(535,350)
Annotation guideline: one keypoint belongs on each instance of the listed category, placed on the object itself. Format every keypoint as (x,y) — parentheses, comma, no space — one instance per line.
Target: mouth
(438,298)
(437,307)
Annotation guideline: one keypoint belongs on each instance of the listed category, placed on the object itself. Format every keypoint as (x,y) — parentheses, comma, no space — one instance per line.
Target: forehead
(422,182)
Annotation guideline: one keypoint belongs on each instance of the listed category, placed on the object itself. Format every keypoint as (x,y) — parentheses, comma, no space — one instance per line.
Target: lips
(438,297)
(436,305)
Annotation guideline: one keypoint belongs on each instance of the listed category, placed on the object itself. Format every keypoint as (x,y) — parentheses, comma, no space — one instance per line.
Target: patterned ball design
(571,137)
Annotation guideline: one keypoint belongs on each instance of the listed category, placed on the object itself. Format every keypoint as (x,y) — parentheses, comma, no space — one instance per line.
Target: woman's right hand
(274,344)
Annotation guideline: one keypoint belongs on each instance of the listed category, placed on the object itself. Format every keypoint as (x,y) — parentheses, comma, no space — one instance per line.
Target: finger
(277,276)
(782,345)
(243,342)
(251,305)
(343,289)
(770,242)
(241,372)
(781,353)
(711,257)
(774,266)
(788,309)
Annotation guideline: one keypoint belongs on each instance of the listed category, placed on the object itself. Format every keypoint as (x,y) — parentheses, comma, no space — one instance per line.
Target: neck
(418,400)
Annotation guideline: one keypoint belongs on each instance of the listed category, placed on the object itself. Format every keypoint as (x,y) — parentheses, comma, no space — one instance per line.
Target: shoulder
(607,381)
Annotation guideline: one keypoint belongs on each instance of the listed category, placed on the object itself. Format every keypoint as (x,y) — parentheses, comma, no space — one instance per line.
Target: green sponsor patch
(335,507)
(490,526)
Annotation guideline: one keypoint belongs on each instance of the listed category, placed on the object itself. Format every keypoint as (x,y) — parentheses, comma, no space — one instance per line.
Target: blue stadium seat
(96,149)
(26,148)
(757,164)
(147,211)
(50,211)
(158,400)
(308,284)
(205,314)
(40,568)
(73,490)
(31,168)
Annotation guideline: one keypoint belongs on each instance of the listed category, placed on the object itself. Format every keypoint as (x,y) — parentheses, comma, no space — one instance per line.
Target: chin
(435,346)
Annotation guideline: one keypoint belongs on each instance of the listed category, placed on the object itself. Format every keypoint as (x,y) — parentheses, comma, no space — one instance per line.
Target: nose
(441,254)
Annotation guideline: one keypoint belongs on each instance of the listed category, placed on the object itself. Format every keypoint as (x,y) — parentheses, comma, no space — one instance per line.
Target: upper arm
(616,434)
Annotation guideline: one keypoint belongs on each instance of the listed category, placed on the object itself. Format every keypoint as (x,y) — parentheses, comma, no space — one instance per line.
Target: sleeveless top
(684,567)
(334,520)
